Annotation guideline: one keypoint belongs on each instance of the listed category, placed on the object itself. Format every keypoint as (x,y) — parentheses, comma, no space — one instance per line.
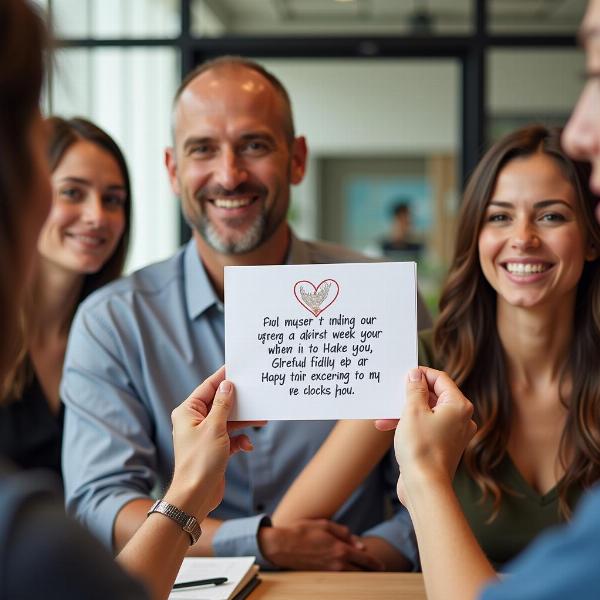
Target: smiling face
(532,245)
(87,218)
(233,161)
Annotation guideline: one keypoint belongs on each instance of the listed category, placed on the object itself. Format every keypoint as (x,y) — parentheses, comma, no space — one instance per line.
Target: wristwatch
(187,522)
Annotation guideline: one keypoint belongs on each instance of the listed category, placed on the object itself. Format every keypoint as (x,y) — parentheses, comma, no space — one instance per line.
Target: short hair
(401,208)
(245,63)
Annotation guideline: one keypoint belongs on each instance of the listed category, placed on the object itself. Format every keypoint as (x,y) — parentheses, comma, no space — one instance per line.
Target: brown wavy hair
(23,40)
(467,341)
(62,134)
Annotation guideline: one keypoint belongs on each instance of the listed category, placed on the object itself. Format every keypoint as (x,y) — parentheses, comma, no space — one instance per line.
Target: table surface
(339,586)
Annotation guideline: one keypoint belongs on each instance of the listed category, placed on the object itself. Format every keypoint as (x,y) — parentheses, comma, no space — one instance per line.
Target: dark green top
(523,515)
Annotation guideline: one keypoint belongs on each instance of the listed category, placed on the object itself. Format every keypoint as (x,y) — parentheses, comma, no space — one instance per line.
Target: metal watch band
(187,522)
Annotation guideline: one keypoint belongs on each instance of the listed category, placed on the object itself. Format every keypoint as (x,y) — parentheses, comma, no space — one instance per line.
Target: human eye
(202,150)
(552,217)
(497,217)
(256,147)
(114,200)
(70,193)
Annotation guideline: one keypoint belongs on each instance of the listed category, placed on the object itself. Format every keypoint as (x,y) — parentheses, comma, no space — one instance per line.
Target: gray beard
(251,240)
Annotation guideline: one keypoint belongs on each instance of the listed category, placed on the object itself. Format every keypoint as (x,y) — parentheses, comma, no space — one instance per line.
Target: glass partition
(217,18)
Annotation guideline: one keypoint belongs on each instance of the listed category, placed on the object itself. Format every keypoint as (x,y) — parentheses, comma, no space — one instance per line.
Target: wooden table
(339,586)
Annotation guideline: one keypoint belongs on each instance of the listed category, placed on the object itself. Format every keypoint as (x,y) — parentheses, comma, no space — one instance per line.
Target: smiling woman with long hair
(41,551)
(81,247)
(519,330)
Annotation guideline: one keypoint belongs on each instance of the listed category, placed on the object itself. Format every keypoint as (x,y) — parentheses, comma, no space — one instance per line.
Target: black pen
(198,582)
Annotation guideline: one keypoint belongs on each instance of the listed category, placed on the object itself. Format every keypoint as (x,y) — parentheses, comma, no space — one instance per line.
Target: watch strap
(188,523)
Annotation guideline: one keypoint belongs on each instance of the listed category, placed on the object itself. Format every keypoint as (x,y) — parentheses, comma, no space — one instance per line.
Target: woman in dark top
(42,553)
(82,246)
(519,331)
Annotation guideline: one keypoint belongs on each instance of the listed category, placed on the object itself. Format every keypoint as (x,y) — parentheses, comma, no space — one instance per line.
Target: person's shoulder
(328,252)
(147,282)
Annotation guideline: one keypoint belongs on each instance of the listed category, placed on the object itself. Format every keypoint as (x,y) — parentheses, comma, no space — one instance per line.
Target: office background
(397,98)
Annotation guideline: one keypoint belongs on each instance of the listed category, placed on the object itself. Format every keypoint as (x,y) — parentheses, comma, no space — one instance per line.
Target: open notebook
(241,573)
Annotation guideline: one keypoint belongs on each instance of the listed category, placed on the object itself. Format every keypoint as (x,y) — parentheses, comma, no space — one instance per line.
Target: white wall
(366,107)
(128,93)
(534,81)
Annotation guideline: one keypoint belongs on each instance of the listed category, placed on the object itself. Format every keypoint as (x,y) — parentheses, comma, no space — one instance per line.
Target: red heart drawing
(319,298)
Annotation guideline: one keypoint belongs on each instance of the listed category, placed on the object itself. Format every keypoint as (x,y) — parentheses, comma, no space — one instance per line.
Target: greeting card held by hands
(320,341)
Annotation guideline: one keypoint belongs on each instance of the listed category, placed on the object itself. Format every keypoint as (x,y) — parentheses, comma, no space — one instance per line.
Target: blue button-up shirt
(137,348)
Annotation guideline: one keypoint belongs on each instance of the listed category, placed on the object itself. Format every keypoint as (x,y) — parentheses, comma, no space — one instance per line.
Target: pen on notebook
(188,584)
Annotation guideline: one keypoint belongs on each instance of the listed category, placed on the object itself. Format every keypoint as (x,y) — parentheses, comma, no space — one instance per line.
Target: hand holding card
(320,341)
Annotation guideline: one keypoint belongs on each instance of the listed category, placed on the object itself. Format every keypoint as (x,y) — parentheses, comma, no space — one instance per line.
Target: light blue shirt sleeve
(138,348)
(108,457)
(563,563)
(399,533)
(239,537)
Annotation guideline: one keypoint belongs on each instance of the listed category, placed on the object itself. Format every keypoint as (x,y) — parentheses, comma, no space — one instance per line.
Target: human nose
(581,138)
(525,237)
(229,172)
(94,211)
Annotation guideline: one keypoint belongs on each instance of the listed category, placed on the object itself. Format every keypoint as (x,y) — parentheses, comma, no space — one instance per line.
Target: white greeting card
(320,341)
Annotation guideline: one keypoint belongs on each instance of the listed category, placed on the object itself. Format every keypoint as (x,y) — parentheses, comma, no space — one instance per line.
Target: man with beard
(139,345)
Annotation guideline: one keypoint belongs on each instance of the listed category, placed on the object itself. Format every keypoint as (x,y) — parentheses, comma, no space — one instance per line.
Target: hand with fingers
(203,442)
(316,545)
(434,430)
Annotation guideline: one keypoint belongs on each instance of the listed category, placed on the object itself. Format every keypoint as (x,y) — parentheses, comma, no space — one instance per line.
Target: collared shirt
(137,348)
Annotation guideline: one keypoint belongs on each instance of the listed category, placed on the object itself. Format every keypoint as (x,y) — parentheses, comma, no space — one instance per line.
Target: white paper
(320,341)
(193,569)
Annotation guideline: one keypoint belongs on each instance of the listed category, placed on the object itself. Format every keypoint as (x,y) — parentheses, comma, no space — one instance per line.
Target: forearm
(156,550)
(454,566)
(346,457)
(129,519)
(133,515)
(391,558)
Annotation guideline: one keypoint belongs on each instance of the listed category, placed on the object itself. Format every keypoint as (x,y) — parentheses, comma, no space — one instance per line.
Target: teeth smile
(86,239)
(232,202)
(526,268)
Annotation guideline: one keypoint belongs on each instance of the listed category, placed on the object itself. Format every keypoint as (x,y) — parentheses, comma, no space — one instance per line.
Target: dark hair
(62,134)
(22,42)
(240,61)
(400,209)
(466,336)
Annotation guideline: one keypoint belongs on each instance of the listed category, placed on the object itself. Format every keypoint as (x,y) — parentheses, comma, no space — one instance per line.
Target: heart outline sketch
(313,301)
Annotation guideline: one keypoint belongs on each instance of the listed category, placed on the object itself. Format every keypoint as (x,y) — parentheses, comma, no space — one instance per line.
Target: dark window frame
(469,50)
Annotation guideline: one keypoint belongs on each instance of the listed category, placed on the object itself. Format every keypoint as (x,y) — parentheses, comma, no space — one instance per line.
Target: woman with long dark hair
(81,247)
(41,551)
(519,331)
